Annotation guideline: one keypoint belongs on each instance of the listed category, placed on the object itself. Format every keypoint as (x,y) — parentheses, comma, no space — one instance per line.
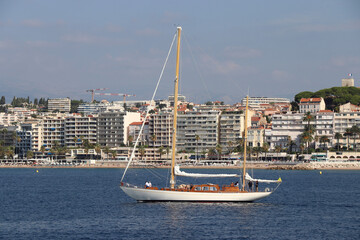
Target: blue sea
(88,204)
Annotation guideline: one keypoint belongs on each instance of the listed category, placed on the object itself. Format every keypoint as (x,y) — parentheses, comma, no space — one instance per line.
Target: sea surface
(88,204)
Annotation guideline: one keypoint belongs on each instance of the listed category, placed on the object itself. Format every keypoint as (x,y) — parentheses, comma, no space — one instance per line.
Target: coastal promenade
(325,165)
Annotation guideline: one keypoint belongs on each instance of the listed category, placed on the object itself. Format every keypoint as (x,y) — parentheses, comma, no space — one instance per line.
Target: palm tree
(277,150)
(130,140)
(309,129)
(29,154)
(218,150)
(355,131)
(141,151)
(161,151)
(167,149)
(324,139)
(107,151)
(265,148)
(257,151)
(98,150)
(347,135)
(212,152)
(113,154)
(338,136)
(308,118)
(197,138)
(230,147)
(153,139)
(42,150)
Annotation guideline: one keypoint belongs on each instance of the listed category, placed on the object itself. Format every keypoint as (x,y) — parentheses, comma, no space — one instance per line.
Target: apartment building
(79,128)
(31,138)
(53,131)
(311,105)
(113,127)
(231,129)
(7,119)
(256,102)
(256,136)
(59,104)
(286,127)
(134,131)
(343,121)
(205,125)
(160,129)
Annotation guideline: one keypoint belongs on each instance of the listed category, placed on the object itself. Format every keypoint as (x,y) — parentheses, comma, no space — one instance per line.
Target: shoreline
(266,166)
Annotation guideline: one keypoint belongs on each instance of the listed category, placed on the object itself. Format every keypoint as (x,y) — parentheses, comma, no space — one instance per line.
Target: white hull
(141,194)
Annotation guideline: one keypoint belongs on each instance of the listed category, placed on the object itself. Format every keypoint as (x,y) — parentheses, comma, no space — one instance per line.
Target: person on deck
(236,184)
(250,186)
(257,186)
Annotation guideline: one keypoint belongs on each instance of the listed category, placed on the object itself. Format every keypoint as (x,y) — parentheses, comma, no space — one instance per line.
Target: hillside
(334,97)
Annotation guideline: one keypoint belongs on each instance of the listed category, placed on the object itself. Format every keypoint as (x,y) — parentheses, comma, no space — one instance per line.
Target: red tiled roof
(311,100)
(136,123)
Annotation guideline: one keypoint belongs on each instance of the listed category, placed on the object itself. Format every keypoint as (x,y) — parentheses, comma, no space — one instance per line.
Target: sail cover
(248,178)
(178,172)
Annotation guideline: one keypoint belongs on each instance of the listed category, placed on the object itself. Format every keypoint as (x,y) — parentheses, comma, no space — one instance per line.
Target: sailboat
(198,192)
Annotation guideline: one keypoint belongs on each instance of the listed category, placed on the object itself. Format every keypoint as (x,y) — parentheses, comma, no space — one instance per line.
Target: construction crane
(116,94)
(93,92)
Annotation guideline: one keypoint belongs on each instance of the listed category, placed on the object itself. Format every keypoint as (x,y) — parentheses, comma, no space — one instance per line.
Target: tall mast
(172,180)
(245,143)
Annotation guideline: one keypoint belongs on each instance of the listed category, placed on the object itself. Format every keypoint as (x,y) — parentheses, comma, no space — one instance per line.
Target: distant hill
(334,97)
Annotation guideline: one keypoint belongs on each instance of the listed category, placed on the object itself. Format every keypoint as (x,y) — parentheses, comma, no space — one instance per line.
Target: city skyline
(273,49)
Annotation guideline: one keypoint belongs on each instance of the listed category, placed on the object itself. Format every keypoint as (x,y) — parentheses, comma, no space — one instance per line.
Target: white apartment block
(93,108)
(53,131)
(59,104)
(255,102)
(256,136)
(348,107)
(285,126)
(311,105)
(113,127)
(203,124)
(344,121)
(232,125)
(31,135)
(160,129)
(292,125)
(8,119)
(79,128)
(134,131)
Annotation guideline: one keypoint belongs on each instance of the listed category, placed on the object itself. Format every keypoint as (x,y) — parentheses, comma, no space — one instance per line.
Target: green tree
(161,151)
(347,134)
(2,100)
(337,137)
(142,152)
(197,138)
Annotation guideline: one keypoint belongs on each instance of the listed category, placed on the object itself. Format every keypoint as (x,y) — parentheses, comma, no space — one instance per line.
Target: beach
(326,165)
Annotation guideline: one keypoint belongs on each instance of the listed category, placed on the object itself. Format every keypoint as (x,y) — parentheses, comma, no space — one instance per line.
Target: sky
(229,48)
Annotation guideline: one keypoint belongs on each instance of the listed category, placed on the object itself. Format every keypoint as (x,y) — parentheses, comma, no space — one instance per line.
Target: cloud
(147,32)
(81,38)
(32,23)
(227,67)
(345,61)
(280,75)
(348,26)
(114,28)
(40,44)
(242,52)
(6,44)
